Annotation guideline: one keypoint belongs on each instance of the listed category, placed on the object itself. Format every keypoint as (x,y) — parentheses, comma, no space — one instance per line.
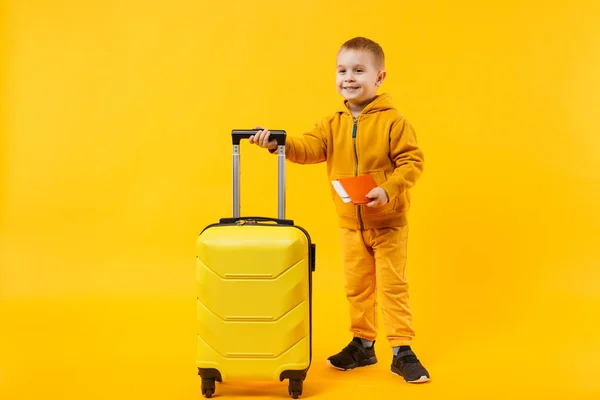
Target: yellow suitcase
(254,292)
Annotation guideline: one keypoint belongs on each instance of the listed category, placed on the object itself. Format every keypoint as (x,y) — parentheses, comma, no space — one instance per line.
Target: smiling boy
(368,135)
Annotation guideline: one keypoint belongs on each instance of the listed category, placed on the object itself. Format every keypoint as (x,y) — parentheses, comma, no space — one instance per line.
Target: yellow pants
(376,259)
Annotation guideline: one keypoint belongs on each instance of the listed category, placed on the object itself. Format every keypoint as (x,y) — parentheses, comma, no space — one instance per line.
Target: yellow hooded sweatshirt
(380,142)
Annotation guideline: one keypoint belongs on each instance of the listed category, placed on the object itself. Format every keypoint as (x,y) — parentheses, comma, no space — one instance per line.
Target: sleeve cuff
(391,189)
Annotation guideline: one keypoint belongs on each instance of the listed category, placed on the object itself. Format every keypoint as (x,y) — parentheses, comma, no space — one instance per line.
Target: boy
(367,135)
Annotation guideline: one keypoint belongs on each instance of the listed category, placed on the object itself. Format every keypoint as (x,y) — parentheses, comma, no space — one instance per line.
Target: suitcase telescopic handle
(236,136)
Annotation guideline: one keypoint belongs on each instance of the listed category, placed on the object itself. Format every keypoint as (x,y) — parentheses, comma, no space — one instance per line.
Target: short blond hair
(367,45)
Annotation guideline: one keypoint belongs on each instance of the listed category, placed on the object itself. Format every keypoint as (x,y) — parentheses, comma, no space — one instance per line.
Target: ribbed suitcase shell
(254,300)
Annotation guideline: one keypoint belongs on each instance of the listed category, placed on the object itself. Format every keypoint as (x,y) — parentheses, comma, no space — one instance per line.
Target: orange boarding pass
(354,189)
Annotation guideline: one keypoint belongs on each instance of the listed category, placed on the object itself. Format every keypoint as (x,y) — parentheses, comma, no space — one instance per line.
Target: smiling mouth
(351,87)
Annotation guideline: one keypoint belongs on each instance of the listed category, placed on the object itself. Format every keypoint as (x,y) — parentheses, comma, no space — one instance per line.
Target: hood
(382,102)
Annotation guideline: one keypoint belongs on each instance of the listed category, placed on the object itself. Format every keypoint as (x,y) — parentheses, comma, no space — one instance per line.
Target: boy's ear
(380,78)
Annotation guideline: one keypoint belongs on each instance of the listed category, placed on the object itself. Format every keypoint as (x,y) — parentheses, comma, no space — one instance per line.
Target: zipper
(356,169)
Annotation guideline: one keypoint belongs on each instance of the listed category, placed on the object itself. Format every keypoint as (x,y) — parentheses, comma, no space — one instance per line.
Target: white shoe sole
(349,369)
(422,379)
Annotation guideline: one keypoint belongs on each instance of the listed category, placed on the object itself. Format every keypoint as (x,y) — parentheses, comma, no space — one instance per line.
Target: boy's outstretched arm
(310,148)
(408,158)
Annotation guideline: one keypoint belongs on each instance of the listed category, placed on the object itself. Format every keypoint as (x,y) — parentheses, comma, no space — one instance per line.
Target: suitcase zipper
(356,170)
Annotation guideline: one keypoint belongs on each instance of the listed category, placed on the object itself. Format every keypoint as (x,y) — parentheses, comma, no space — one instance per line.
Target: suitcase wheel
(208,387)
(295,388)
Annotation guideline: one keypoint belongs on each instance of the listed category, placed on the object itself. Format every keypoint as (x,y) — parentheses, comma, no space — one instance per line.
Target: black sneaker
(408,366)
(354,355)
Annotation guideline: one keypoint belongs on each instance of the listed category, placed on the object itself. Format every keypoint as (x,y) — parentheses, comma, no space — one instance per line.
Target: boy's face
(358,77)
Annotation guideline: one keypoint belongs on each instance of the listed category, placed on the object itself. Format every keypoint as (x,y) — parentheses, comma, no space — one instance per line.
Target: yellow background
(115,153)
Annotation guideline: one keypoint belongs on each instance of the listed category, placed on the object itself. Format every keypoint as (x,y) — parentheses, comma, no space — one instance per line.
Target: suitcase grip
(238,134)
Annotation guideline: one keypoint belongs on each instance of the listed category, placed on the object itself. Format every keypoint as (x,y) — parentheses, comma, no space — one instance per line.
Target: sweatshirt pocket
(380,177)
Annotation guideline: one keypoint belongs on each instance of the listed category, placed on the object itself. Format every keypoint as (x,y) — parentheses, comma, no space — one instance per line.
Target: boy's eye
(342,71)
(359,70)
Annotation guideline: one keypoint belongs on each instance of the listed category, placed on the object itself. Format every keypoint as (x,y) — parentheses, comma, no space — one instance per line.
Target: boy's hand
(262,139)
(379,197)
